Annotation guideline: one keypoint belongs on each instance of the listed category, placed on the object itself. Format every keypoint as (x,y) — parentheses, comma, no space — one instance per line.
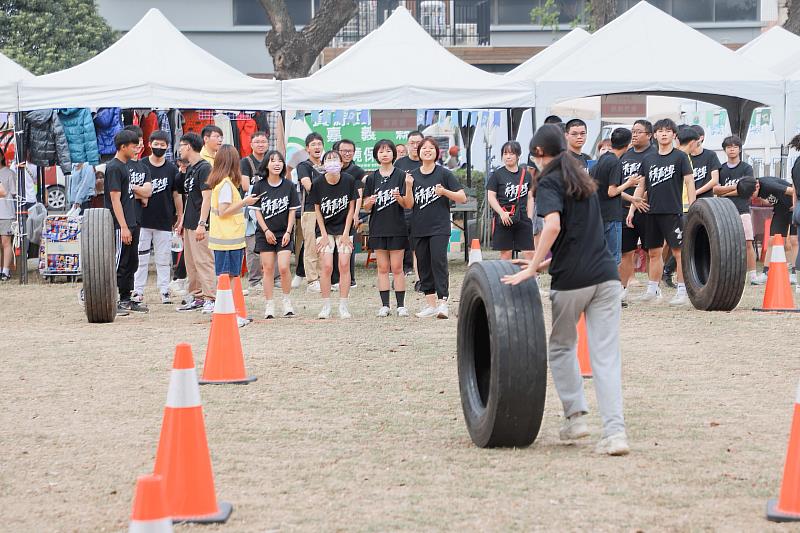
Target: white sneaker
(344,312)
(442,311)
(335,287)
(325,312)
(165,298)
(313,287)
(288,310)
(616,444)
(427,312)
(245,291)
(680,299)
(648,297)
(793,278)
(296,281)
(624,295)
(208,307)
(402,312)
(241,322)
(573,428)
(384,312)
(269,311)
(137,297)
(758,279)
(178,286)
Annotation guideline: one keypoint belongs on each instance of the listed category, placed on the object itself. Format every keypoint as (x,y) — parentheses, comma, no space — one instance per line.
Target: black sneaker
(136,307)
(418,286)
(4,277)
(194,305)
(122,309)
(353,284)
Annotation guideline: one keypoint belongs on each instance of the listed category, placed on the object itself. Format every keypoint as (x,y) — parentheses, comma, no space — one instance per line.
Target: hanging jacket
(193,122)
(107,123)
(81,136)
(163,125)
(247,127)
(81,183)
(45,140)
(149,124)
(223,122)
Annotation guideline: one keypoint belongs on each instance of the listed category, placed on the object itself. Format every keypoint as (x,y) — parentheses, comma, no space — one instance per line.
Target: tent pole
(22,200)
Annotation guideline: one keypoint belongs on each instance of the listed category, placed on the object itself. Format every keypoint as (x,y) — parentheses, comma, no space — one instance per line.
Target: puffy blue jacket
(81,137)
(107,122)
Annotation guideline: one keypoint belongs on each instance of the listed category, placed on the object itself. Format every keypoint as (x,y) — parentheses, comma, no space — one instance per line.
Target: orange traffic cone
(224,359)
(149,513)
(182,459)
(787,507)
(238,298)
(778,293)
(475,255)
(583,349)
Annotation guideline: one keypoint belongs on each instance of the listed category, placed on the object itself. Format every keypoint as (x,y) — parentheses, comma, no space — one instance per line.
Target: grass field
(357,426)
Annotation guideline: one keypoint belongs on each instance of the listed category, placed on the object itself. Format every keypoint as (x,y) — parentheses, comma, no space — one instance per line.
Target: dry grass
(357,425)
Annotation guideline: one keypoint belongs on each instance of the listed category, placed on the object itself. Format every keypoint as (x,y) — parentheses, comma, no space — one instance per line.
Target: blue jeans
(228,262)
(613,232)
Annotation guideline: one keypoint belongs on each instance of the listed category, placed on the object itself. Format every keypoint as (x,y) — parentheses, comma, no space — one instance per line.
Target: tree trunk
(294,52)
(602,12)
(793,20)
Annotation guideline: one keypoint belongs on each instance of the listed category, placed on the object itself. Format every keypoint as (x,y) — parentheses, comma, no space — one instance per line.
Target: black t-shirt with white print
(731,176)
(663,176)
(194,183)
(139,175)
(387,218)
(580,255)
(773,190)
(160,211)
(275,204)
(431,214)
(704,164)
(631,162)
(506,185)
(582,158)
(118,180)
(334,202)
(607,172)
(306,170)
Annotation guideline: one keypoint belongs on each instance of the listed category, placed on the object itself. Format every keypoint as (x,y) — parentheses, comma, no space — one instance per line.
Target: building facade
(493,34)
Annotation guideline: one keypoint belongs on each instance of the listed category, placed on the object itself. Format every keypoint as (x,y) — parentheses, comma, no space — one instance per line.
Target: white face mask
(333,166)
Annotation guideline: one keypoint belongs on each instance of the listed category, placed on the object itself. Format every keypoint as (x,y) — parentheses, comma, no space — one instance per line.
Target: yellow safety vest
(226,233)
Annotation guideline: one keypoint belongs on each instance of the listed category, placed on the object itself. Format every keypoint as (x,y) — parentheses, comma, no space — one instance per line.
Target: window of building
(704,10)
(519,11)
(251,13)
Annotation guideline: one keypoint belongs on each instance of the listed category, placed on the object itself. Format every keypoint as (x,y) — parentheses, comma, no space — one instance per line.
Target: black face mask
(159,152)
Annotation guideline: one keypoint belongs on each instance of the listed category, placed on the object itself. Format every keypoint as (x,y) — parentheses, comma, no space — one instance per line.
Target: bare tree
(793,20)
(601,12)
(293,52)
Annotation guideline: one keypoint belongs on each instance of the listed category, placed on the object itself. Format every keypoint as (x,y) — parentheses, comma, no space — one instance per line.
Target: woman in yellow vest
(227,225)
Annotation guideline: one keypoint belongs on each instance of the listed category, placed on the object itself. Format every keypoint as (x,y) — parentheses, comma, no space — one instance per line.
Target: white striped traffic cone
(149,513)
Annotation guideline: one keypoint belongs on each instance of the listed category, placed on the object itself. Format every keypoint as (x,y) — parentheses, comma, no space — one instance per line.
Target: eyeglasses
(347,151)
(578,134)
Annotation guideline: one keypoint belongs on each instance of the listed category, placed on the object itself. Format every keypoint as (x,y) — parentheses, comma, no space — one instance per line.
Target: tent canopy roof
(403,67)
(538,64)
(776,49)
(10,74)
(116,77)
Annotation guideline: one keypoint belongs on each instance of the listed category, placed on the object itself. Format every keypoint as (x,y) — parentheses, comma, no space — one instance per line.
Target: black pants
(434,276)
(408,255)
(179,264)
(127,263)
(300,267)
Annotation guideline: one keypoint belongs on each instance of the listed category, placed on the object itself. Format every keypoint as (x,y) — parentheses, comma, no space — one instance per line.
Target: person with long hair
(278,202)
(334,196)
(386,196)
(434,188)
(795,143)
(510,196)
(227,227)
(584,280)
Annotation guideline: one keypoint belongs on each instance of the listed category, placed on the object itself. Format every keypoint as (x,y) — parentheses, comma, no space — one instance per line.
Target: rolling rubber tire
(502,357)
(714,255)
(99,272)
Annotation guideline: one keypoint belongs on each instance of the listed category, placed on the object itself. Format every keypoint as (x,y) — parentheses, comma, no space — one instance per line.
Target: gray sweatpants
(601,305)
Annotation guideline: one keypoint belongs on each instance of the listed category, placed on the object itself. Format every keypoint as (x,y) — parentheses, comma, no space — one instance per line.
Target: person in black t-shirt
(386,194)
(158,217)
(409,163)
(120,198)
(706,167)
(307,174)
(253,168)
(508,190)
(576,139)
(138,175)
(434,188)
(665,173)
(334,196)
(795,144)
(347,150)
(278,202)
(731,172)
(584,281)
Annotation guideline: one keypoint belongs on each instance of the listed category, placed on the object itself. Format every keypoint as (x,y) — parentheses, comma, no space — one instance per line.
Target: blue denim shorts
(228,262)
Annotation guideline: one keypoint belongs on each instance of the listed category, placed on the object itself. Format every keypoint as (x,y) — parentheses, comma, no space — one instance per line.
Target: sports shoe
(335,287)
(288,310)
(648,297)
(427,312)
(242,322)
(758,279)
(165,298)
(383,312)
(402,312)
(417,286)
(208,307)
(667,279)
(5,277)
(680,299)
(269,311)
(325,312)
(573,428)
(255,286)
(616,444)
(313,287)
(276,284)
(409,273)
(137,297)
(121,311)
(178,286)
(245,291)
(793,278)
(442,311)
(344,312)
(133,306)
(296,281)
(81,298)
(193,305)
(353,284)
(623,296)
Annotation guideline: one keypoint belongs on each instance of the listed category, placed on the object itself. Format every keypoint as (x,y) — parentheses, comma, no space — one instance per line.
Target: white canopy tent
(403,68)
(10,75)
(627,56)
(776,49)
(538,64)
(176,73)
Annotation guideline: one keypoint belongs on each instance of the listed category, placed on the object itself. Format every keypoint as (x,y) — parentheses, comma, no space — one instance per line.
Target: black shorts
(631,236)
(659,228)
(387,243)
(782,221)
(517,236)
(263,246)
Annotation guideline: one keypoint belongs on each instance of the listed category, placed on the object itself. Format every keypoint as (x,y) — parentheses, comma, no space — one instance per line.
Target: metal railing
(450,22)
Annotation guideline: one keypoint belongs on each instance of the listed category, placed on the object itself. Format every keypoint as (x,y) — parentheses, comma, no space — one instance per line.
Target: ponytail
(549,139)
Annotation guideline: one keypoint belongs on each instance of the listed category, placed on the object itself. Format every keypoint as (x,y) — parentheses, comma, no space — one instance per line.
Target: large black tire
(714,255)
(502,357)
(98,249)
